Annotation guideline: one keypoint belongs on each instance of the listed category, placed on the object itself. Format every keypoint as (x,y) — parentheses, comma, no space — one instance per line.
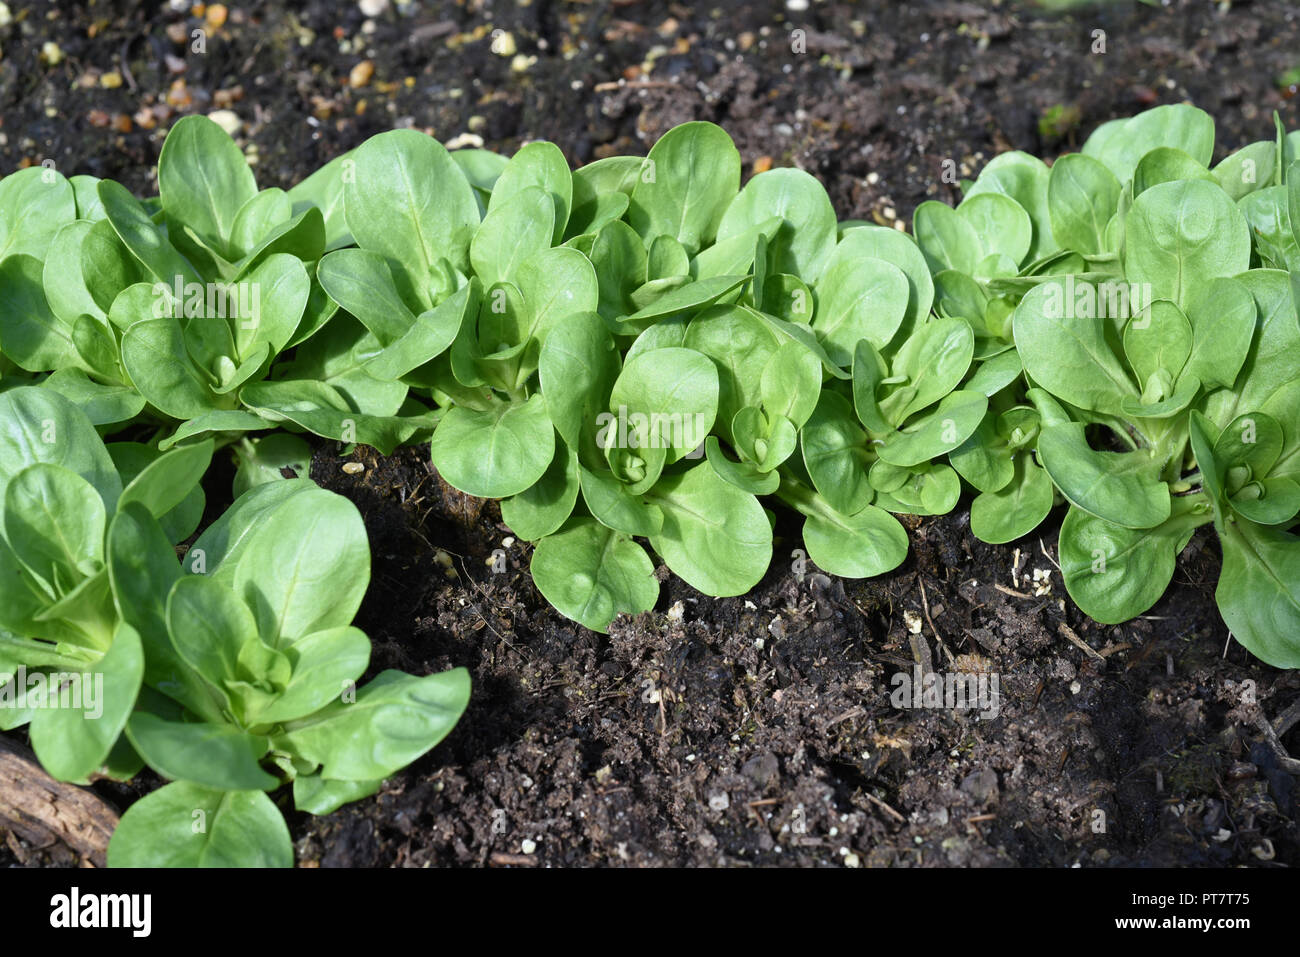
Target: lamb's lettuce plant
(1163,301)
(252,677)
(229,675)
(60,488)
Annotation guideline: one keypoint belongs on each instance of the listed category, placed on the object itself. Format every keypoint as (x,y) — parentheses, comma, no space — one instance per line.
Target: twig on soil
(1079,643)
(1284,760)
(631,85)
(925,606)
(126,70)
(853,712)
(1010,591)
(1287,719)
(502,859)
(885,807)
(1048,557)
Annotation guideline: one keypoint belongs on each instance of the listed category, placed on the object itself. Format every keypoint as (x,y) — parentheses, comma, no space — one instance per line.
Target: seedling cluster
(637,357)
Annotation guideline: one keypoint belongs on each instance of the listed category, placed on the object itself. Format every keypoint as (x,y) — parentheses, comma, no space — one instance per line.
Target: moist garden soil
(755,730)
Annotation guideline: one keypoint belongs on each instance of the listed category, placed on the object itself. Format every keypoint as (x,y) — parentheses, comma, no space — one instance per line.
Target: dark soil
(752,730)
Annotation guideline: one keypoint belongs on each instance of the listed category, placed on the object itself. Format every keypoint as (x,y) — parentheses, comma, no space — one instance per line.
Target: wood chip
(43,810)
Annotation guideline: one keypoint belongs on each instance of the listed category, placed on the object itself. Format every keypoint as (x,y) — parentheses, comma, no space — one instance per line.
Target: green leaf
(1016,508)
(1123,488)
(516,227)
(790,382)
(592,574)
(1115,573)
(185,825)
(35,338)
(35,203)
(39,425)
(1068,354)
(326,665)
(714,536)
(1120,144)
(306,568)
(577,368)
(951,423)
(496,453)
(1259,591)
(316,795)
(859,299)
(835,455)
(676,391)
(1183,235)
(947,239)
(687,182)
(394,720)
(807,235)
(408,200)
(543,507)
(868,543)
(203,181)
(1082,196)
(898,249)
(210,755)
(538,165)
(54,522)
(1002,225)
(72,742)
(150,246)
(361,282)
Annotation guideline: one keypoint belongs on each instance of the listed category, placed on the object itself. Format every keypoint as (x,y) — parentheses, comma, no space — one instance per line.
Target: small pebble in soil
(851,860)
(527,845)
(719,801)
(472,140)
(361,73)
(229,121)
(373,8)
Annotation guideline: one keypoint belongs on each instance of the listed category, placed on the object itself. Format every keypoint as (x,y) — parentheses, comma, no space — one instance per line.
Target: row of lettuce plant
(637,353)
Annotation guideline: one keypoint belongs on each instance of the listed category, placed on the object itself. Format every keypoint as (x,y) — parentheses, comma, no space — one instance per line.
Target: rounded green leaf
(1183,235)
(185,825)
(592,574)
(859,299)
(686,183)
(495,453)
(306,568)
(835,454)
(1002,225)
(670,396)
(1082,196)
(808,230)
(868,543)
(716,537)
(1016,508)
